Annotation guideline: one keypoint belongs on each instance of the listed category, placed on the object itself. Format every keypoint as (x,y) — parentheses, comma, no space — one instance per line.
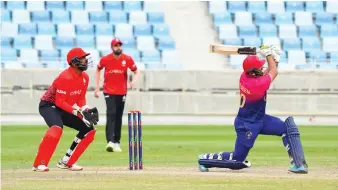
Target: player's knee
(54,132)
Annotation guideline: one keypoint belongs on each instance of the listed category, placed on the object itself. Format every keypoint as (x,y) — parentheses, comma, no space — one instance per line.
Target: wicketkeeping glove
(86,117)
(93,111)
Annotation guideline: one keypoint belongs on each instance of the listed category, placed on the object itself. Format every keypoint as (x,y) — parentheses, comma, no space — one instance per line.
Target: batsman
(64,103)
(252,120)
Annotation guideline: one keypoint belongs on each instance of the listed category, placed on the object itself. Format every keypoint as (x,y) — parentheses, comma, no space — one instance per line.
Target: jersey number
(242,100)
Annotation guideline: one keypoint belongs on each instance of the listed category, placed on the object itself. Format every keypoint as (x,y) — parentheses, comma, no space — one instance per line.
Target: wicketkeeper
(252,119)
(57,107)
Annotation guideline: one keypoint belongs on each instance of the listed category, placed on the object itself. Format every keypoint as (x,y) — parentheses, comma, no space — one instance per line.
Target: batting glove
(276,50)
(265,50)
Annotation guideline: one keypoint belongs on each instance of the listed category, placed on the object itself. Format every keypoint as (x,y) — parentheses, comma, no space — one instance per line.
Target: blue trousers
(248,132)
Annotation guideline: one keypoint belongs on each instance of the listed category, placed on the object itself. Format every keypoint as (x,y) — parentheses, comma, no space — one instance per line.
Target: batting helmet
(74,56)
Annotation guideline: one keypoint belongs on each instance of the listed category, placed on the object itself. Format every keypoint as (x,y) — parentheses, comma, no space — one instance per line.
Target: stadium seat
(29,56)
(66,29)
(142,30)
(291,44)
(154,65)
(6,42)
(151,6)
(330,43)
(247,31)
(12,64)
(98,16)
(287,31)
(325,66)
(324,18)
(256,6)
(112,5)
(236,6)
(307,31)
(334,58)
(46,29)
(151,56)
(79,17)
(243,19)
(145,43)
(227,31)
(317,56)
(103,43)
(217,6)
(173,66)
(256,42)
(116,17)
(94,56)
(56,64)
(222,18)
(272,41)
(233,41)
(160,30)
(35,5)
(294,6)
(27,29)
(123,30)
(85,42)
(49,55)
(314,6)
(138,17)
(104,29)
(9,29)
(43,42)
(130,6)
(22,42)
(303,19)
(64,42)
(296,57)
(40,16)
(55,5)
(237,60)
(5,16)
(275,6)
(310,44)
(20,16)
(134,53)
(331,6)
(93,5)
(74,5)
(8,54)
(155,18)
(15,5)
(170,57)
(266,30)
(263,18)
(166,43)
(60,16)
(284,18)
(84,29)
(327,30)
(128,42)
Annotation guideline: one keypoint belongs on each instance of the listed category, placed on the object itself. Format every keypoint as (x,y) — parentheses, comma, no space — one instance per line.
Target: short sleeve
(264,82)
(131,64)
(102,63)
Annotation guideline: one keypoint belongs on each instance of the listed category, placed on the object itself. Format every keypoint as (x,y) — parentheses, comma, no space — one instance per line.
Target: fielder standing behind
(57,109)
(116,66)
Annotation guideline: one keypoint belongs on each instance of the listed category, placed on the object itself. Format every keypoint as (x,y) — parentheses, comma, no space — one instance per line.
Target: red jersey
(67,89)
(115,73)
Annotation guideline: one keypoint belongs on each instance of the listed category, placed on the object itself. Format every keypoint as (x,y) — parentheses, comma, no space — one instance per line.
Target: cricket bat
(232,50)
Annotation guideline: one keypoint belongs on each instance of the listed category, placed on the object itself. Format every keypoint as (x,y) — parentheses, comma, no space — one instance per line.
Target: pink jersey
(253,97)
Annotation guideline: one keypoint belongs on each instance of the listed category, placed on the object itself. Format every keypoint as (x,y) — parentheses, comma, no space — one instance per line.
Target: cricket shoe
(110,147)
(74,167)
(116,147)
(41,168)
(298,170)
(201,167)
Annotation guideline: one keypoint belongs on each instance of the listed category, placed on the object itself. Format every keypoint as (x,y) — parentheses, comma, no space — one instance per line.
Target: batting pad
(231,164)
(296,147)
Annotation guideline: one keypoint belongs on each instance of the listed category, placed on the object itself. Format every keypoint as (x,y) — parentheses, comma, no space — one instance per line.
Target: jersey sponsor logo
(61,91)
(76,92)
(84,81)
(123,63)
(115,71)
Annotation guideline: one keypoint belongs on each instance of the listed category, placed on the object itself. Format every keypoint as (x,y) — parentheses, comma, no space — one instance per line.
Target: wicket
(135,131)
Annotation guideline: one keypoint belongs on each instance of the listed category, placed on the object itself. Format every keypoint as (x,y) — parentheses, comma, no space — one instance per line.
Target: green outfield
(170,159)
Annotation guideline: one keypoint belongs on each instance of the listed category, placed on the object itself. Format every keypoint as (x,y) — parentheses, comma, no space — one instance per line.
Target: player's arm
(132,66)
(82,103)
(100,66)
(62,93)
(268,52)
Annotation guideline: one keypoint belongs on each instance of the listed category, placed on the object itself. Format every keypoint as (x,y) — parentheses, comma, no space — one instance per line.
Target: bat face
(232,50)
